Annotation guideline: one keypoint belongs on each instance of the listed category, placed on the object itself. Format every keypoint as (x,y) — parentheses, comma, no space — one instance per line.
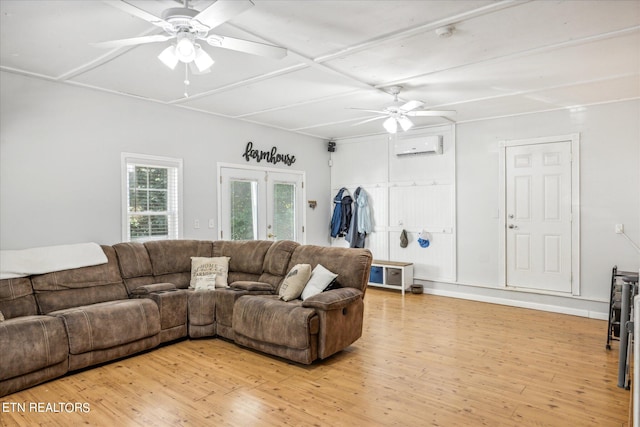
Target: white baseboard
(516,303)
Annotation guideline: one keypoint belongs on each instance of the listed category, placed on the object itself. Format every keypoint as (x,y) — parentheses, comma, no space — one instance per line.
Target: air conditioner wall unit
(421,145)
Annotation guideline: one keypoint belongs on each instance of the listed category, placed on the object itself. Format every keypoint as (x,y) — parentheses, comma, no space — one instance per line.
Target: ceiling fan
(188,26)
(398,113)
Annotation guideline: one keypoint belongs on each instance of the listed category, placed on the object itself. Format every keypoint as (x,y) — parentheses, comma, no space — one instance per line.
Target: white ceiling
(504,58)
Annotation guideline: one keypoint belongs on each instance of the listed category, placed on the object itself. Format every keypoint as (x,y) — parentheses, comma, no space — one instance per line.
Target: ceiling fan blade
(247,46)
(369,120)
(430,113)
(411,105)
(368,111)
(133,41)
(142,14)
(221,11)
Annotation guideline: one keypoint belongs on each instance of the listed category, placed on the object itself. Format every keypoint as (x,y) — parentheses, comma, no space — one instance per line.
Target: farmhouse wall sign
(271,156)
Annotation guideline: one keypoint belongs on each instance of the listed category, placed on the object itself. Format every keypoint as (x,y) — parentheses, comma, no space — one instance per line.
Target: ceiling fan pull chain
(186,80)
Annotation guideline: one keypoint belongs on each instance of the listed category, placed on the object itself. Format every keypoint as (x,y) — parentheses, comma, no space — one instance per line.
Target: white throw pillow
(295,281)
(320,279)
(216,269)
(207,282)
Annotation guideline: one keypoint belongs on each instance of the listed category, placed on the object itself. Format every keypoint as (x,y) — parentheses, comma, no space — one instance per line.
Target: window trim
(127,159)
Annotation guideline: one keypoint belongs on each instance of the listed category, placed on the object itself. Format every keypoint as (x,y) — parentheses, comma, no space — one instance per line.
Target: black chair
(615,299)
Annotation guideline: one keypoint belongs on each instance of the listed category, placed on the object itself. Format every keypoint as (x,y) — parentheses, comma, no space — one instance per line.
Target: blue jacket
(337,213)
(341,217)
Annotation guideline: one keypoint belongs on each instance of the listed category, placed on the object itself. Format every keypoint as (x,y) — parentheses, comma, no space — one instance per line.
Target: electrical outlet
(212,223)
(619,228)
(196,223)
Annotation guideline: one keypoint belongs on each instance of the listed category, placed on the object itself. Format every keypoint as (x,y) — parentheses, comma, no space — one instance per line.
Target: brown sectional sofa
(68,320)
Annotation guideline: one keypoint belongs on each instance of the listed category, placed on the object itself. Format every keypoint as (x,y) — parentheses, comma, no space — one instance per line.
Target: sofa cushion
(247,256)
(174,256)
(80,286)
(351,263)
(294,283)
(16,298)
(31,343)
(133,260)
(276,262)
(109,324)
(268,319)
(135,265)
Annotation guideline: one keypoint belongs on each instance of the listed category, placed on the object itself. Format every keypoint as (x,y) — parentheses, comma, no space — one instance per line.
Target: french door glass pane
(284,210)
(244,210)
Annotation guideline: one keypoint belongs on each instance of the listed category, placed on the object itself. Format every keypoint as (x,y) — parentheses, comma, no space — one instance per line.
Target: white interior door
(538,216)
(261,204)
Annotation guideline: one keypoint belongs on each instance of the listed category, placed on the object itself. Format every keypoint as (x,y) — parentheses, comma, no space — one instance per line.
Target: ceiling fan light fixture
(202,60)
(185,48)
(405,123)
(391,125)
(168,57)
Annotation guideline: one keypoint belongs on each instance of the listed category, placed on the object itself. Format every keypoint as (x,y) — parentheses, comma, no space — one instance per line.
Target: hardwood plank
(422,360)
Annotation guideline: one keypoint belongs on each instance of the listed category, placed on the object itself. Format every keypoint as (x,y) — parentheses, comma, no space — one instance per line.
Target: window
(152,200)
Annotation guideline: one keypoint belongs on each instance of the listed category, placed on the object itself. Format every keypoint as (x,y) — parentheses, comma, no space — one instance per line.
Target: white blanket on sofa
(21,263)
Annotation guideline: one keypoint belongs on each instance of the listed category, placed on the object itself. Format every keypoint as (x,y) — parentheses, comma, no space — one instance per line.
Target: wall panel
(414,193)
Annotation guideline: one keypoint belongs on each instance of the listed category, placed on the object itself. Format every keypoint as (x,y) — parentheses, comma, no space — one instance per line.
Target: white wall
(60,150)
(609,194)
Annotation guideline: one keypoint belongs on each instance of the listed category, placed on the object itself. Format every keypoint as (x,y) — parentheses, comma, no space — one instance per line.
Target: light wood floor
(423,360)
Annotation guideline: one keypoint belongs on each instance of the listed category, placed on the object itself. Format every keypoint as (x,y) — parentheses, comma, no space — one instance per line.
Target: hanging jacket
(364,213)
(345,219)
(361,220)
(352,233)
(336,218)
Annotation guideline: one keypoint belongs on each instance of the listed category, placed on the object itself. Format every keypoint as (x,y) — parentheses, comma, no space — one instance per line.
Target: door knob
(512,226)
(270,235)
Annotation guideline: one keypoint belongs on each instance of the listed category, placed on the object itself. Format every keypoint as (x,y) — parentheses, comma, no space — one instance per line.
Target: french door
(259,204)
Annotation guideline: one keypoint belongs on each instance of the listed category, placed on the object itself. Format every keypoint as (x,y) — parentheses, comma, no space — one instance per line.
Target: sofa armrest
(334,299)
(253,286)
(155,287)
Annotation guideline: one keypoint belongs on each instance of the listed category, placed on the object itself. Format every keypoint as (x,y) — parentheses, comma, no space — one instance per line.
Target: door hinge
(220,179)
(221,235)
(302,184)
(303,228)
